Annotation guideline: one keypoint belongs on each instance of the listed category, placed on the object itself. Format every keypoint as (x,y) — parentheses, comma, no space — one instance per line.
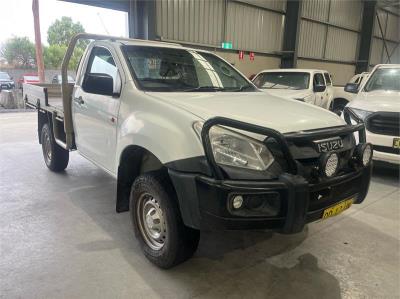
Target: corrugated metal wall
(390,24)
(254,29)
(329,29)
(193,21)
(250,25)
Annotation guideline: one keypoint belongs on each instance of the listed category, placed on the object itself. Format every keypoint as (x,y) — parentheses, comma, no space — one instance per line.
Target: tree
(19,51)
(61,32)
(53,55)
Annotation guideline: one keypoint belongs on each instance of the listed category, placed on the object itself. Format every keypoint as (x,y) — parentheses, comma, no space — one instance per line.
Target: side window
(102,62)
(319,79)
(101,75)
(327,79)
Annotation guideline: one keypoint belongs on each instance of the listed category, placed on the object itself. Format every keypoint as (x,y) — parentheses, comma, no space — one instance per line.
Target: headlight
(361,113)
(234,149)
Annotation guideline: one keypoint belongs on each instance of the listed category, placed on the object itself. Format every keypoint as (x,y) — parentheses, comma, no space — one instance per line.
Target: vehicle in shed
(194,145)
(377,103)
(309,86)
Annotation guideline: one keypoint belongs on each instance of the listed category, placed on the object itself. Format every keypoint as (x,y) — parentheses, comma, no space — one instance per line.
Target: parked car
(377,103)
(341,97)
(194,145)
(57,79)
(28,78)
(6,82)
(305,85)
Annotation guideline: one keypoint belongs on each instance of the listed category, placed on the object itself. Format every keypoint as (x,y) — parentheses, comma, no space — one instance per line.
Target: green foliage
(53,56)
(61,32)
(19,51)
(58,36)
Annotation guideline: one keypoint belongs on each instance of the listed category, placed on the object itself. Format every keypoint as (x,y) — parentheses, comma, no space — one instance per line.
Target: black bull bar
(281,139)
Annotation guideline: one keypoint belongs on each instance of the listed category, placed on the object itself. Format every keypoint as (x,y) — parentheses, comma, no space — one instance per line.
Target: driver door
(95,112)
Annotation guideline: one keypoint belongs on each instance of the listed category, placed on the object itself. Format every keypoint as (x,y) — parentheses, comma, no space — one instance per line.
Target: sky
(17,18)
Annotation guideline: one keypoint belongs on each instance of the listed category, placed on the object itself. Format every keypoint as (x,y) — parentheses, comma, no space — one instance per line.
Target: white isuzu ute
(305,85)
(378,105)
(196,146)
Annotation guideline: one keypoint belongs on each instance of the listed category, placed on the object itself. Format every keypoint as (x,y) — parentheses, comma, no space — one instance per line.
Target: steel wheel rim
(47,147)
(151,221)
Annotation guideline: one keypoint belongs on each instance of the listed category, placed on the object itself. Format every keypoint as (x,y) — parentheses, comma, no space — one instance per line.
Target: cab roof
(294,70)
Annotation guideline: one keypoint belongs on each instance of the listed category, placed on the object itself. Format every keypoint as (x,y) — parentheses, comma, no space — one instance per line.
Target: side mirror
(319,88)
(98,83)
(351,87)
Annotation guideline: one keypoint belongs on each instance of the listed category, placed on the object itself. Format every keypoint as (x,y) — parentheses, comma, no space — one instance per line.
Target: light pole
(38,41)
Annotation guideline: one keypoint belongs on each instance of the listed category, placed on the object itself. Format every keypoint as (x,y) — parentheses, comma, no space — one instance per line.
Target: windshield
(171,69)
(4,76)
(384,79)
(282,80)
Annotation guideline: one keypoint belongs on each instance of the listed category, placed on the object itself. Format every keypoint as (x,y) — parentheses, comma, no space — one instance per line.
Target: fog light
(237,201)
(329,164)
(364,153)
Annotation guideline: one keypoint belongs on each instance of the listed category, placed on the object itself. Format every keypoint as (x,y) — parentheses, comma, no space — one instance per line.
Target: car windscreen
(172,69)
(4,76)
(282,80)
(384,79)
(327,79)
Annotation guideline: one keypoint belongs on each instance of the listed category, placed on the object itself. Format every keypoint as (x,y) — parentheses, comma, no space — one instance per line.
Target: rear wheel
(55,157)
(157,221)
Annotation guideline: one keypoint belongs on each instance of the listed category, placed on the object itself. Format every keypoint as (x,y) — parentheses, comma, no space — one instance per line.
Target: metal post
(38,41)
(383,36)
(142,19)
(366,34)
(291,34)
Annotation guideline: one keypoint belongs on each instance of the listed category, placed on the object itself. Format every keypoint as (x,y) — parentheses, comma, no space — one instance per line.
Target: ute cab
(305,85)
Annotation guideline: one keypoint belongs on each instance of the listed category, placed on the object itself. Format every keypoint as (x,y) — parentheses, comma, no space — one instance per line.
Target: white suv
(378,105)
(309,86)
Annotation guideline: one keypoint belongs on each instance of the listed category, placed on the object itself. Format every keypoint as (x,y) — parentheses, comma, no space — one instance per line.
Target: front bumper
(204,202)
(383,147)
(6,86)
(288,200)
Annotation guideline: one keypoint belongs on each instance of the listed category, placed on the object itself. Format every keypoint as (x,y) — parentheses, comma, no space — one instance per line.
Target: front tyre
(157,221)
(55,157)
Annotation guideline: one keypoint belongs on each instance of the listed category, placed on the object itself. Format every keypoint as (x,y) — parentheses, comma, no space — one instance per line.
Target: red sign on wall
(251,55)
(241,55)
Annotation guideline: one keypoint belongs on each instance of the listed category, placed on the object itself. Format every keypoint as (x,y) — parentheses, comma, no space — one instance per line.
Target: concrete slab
(60,238)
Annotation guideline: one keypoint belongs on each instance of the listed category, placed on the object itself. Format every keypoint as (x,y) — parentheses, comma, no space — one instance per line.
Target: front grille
(384,123)
(387,149)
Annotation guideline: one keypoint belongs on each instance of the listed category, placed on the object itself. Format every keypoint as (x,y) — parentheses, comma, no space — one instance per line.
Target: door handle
(79,101)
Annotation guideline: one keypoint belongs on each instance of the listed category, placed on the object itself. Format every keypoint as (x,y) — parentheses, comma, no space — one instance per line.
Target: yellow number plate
(337,209)
(396,142)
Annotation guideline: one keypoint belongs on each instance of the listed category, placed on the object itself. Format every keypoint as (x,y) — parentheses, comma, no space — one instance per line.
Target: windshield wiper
(205,88)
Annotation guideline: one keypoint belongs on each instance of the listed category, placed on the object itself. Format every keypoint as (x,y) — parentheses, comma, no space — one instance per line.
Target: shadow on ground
(387,173)
(226,264)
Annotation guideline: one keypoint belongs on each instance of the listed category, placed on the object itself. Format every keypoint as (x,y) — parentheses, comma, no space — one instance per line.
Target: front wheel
(157,221)
(55,157)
